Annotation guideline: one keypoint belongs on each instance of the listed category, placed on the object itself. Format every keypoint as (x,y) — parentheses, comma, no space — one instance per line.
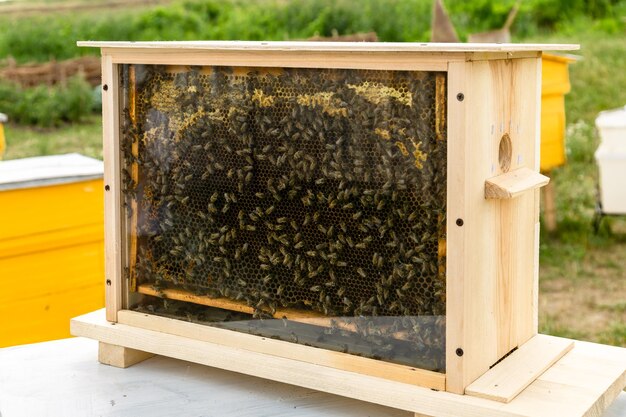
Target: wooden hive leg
(120,356)
(549,211)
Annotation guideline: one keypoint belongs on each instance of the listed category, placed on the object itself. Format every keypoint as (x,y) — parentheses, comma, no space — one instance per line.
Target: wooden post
(549,207)
(112,189)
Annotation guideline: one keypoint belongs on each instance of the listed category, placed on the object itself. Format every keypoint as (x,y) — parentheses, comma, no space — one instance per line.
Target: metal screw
(459,222)
(105,87)
(459,352)
(107,187)
(108,282)
(460,96)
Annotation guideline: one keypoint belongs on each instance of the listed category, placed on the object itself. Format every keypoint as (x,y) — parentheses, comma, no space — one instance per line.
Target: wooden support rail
(301,316)
(225,303)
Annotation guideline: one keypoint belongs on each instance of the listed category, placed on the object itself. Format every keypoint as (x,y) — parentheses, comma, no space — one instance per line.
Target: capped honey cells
(303,204)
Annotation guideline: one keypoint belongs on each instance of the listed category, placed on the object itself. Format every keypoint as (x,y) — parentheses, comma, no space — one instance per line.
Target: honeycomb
(319,190)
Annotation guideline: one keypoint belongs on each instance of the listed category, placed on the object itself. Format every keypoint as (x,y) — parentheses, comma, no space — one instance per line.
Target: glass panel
(302,204)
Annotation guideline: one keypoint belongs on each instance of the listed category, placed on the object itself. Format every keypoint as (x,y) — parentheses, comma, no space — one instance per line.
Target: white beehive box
(611,157)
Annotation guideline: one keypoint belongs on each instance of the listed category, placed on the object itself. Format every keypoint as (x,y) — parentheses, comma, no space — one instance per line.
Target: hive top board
(336,46)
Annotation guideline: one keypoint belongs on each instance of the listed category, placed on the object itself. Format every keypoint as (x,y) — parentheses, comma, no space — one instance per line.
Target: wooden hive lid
(335,46)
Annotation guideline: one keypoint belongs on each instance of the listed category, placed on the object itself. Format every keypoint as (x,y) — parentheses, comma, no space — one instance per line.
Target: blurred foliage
(46,37)
(46,106)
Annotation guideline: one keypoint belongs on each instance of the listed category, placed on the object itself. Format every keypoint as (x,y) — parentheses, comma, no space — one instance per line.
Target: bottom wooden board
(284,349)
(583,383)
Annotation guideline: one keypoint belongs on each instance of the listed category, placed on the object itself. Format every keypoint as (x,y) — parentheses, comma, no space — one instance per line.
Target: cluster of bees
(306,189)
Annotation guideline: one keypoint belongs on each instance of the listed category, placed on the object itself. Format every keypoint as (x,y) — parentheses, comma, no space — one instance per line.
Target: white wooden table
(64,378)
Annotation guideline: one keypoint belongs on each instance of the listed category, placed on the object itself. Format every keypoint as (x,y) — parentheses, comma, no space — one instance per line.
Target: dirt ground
(586,299)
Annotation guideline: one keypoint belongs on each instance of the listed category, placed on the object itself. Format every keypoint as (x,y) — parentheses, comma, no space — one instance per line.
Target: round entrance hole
(505,153)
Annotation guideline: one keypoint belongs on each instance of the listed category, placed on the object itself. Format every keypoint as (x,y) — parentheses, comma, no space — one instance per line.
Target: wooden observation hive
(369,208)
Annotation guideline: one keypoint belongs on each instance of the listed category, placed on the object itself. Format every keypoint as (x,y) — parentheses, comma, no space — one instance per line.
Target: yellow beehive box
(51,245)
(555,84)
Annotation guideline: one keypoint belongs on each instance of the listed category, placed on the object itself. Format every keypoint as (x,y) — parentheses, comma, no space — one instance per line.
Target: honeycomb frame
(327,166)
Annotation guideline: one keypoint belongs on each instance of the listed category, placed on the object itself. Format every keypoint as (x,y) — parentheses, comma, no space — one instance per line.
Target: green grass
(614,335)
(551,325)
(85,138)
(617,307)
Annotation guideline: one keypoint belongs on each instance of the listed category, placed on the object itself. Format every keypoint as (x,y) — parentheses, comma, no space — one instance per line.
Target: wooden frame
(112,186)
(493,94)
